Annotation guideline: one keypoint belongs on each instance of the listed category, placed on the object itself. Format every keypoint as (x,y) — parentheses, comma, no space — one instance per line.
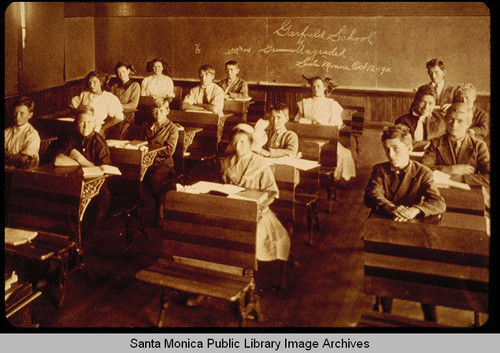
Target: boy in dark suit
(457,153)
(403,190)
(234,86)
(443,91)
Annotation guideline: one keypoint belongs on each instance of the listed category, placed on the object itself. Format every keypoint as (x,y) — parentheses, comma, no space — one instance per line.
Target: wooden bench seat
(209,249)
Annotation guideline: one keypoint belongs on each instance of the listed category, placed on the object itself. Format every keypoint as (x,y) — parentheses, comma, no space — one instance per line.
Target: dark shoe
(196,301)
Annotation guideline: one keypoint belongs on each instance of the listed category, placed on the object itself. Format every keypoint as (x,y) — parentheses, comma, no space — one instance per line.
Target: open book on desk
(299,163)
(89,172)
(133,145)
(205,187)
(443,180)
(250,194)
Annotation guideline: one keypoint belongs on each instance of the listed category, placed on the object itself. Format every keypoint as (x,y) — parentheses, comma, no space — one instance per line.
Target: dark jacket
(473,152)
(384,190)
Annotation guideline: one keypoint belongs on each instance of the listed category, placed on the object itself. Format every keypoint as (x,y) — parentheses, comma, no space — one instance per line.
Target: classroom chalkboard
(359,52)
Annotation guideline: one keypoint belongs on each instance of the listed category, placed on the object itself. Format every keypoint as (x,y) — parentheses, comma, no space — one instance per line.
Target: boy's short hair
(279,107)
(232,62)
(459,108)
(399,131)
(206,68)
(27,102)
(462,90)
(83,109)
(435,62)
(160,102)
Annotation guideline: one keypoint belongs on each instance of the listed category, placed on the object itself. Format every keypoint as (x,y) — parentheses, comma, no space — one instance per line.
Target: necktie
(456,148)
(419,130)
(229,84)
(205,97)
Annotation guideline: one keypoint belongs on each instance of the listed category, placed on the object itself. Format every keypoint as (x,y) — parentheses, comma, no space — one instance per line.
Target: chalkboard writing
(367,52)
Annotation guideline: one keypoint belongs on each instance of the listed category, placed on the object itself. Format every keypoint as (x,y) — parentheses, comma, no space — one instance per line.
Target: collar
(452,141)
(158,125)
(402,170)
(207,87)
(125,85)
(279,132)
(21,128)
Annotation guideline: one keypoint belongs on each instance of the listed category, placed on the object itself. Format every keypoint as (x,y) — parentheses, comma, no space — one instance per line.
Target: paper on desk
(67,119)
(301,164)
(14,236)
(117,143)
(204,187)
(443,179)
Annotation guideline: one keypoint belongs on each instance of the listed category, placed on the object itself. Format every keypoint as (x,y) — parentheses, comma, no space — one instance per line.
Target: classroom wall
(12,34)
(372,52)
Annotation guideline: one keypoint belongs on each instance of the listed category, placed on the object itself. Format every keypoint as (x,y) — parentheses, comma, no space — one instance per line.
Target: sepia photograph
(248,165)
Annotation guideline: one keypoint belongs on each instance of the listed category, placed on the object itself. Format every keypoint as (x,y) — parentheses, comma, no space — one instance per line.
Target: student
(280,142)
(480,127)
(421,121)
(457,153)
(87,148)
(234,86)
(207,95)
(108,110)
(158,84)
(128,92)
(246,169)
(22,141)
(326,111)
(443,91)
(160,132)
(402,189)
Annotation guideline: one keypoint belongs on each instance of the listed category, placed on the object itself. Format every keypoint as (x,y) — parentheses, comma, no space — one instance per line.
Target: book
(299,163)
(199,111)
(205,187)
(443,180)
(252,195)
(132,145)
(14,236)
(89,172)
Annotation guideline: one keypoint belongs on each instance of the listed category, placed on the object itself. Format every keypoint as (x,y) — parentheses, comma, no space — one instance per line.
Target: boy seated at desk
(480,127)
(87,148)
(22,141)
(403,190)
(457,153)
(233,85)
(207,96)
(443,91)
(162,132)
(280,142)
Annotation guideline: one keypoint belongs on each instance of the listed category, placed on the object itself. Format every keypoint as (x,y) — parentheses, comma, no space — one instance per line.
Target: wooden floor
(325,291)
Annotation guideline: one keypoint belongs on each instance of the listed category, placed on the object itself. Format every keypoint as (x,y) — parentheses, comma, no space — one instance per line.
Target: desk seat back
(432,264)
(212,125)
(211,229)
(287,178)
(43,202)
(328,157)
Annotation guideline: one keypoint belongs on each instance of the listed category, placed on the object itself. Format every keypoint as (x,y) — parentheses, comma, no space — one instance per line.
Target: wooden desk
(58,125)
(209,122)
(134,163)
(464,201)
(186,138)
(49,198)
(18,305)
(445,264)
(237,107)
(47,247)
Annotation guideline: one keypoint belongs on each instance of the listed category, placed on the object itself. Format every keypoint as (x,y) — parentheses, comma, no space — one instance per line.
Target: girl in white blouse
(158,85)
(108,110)
(326,111)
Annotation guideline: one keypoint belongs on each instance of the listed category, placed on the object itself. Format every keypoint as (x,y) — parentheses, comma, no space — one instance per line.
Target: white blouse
(161,86)
(320,110)
(104,104)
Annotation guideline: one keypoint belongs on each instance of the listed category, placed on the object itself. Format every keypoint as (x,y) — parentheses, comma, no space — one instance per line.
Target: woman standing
(326,111)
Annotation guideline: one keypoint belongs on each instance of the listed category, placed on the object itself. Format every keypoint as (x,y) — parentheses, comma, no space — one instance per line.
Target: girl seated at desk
(108,110)
(158,84)
(326,111)
(244,168)
(128,92)
(423,124)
